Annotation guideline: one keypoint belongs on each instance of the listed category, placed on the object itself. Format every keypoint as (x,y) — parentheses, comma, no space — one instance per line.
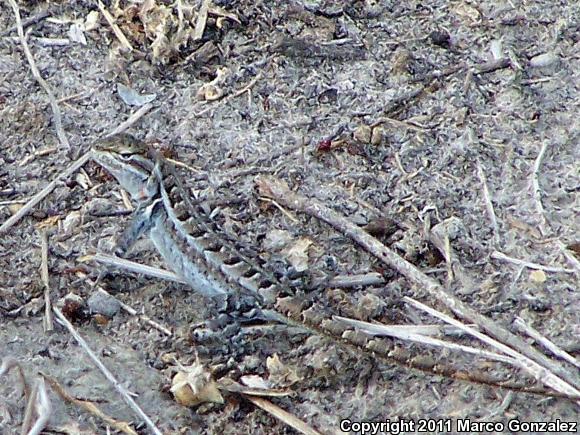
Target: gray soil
(419,101)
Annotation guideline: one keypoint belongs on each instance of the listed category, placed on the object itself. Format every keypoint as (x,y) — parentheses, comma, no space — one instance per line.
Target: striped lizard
(204,256)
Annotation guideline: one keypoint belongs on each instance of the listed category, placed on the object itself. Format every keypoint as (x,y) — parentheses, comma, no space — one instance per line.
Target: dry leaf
(297,254)
(255,381)
(280,373)
(363,134)
(464,10)
(277,239)
(537,276)
(193,385)
(92,21)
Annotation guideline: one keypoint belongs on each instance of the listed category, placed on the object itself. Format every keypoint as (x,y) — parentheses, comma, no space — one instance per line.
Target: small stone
(377,136)
(362,134)
(543,60)
(103,304)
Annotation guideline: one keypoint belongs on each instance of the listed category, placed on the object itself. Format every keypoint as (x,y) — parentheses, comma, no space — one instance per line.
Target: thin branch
(541,373)
(548,344)
(42,406)
(132,266)
(536,186)
(131,120)
(116,384)
(42,194)
(496,255)
(132,311)
(116,30)
(89,407)
(487,201)
(282,415)
(53,104)
(27,22)
(48,322)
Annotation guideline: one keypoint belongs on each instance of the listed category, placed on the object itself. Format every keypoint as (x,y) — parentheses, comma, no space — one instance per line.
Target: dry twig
(39,404)
(496,255)
(42,194)
(487,201)
(53,104)
(116,30)
(114,382)
(539,372)
(131,120)
(284,416)
(380,330)
(548,344)
(132,311)
(536,187)
(48,324)
(27,22)
(89,407)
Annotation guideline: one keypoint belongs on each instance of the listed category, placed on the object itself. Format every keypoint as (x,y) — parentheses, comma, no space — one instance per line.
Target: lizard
(201,253)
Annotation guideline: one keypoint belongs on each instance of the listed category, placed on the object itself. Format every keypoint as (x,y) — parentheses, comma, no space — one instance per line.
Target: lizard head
(128,160)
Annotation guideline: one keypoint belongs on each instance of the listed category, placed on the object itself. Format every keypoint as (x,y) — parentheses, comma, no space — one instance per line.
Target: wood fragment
(42,194)
(496,255)
(53,104)
(110,377)
(116,30)
(47,320)
(282,415)
(88,406)
(201,20)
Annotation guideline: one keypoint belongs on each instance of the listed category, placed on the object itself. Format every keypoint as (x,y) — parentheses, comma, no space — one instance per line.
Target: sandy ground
(401,111)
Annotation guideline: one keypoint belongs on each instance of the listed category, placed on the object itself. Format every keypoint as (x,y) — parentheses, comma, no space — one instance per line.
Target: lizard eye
(124,145)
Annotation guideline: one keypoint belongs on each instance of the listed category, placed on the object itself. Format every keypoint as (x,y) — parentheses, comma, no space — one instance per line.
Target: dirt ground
(406,112)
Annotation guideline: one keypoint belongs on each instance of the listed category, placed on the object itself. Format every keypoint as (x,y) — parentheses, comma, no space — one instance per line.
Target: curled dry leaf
(297,254)
(280,373)
(92,21)
(363,134)
(277,239)
(213,90)
(132,98)
(193,385)
(255,381)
